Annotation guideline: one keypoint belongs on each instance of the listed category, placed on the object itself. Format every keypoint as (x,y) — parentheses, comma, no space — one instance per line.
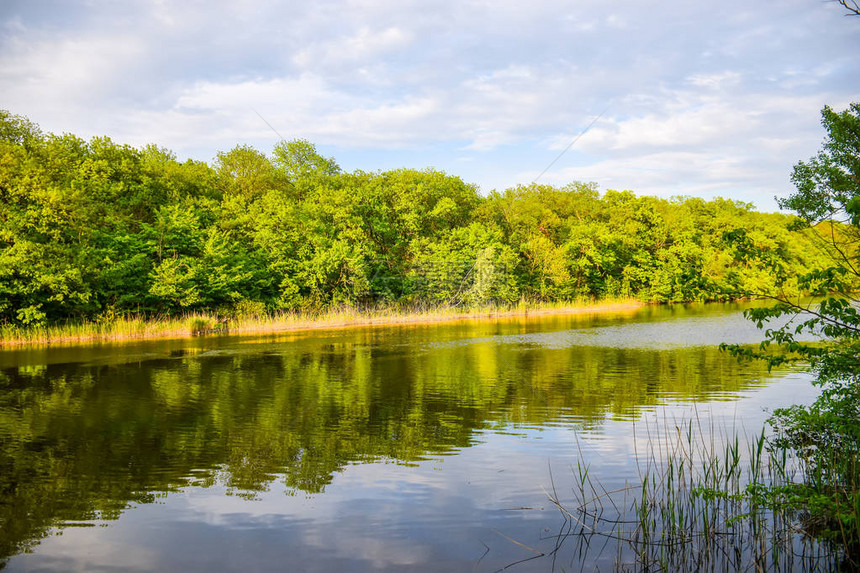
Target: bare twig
(850,5)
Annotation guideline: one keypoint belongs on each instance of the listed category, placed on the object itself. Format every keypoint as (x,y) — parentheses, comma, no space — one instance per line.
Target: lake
(401,448)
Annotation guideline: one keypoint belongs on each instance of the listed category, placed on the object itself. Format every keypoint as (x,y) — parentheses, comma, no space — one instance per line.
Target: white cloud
(505,84)
(302,93)
(739,145)
(716,81)
(308,107)
(669,174)
(678,130)
(75,69)
(486,140)
(358,47)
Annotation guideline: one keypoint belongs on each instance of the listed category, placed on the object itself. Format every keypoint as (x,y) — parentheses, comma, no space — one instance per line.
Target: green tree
(299,161)
(17,130)
(94,228)
(245,172)
(826,435)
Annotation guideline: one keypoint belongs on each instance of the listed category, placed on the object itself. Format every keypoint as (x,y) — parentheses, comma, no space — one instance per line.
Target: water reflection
(87,433)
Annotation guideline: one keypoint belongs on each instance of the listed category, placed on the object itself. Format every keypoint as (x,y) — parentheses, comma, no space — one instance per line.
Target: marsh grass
(699,504)
(123,328)
(136,327)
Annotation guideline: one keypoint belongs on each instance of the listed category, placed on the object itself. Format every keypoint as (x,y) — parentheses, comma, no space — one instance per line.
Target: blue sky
(696,98)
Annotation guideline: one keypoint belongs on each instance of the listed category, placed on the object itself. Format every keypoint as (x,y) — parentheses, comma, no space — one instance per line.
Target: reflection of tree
(82,442)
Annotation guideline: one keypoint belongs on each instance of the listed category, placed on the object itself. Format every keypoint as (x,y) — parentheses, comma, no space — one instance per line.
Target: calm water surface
(419,448)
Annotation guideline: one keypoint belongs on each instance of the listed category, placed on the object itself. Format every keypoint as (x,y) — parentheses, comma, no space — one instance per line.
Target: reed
(138,326)
(703,505)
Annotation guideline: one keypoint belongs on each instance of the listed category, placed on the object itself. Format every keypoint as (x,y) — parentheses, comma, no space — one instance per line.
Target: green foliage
(299,161)
(96,227)
(245,172)
(828,184)
(825,435)
(17,130)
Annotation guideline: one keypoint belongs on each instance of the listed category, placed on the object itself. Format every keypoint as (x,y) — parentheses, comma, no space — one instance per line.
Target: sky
(662,98)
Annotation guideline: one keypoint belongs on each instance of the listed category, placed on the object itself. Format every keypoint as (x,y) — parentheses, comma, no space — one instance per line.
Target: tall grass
(135,327)
(701,505)
(123,328)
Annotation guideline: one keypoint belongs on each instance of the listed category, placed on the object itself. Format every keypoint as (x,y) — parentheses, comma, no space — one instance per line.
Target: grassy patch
(135,327)
(697,505)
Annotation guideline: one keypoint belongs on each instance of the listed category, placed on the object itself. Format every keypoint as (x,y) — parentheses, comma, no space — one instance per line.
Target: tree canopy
(94,229)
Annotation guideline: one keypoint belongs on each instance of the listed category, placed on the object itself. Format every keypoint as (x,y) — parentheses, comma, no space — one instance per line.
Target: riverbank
(202,324)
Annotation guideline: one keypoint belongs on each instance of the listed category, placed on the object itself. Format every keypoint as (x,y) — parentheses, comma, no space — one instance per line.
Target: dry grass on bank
(202,324)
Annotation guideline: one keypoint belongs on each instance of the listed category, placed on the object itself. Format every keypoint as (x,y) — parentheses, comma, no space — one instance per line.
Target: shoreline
(197,325)
(430,317)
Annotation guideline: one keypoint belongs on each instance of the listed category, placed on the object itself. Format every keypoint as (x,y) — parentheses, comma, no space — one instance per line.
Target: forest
(93,230)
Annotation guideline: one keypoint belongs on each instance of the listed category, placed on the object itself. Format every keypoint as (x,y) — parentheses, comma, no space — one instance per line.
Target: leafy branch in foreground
(825,436)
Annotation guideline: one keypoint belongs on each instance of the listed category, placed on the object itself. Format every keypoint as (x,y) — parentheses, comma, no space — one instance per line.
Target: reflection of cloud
(78,549)
(390,489)
(382,552)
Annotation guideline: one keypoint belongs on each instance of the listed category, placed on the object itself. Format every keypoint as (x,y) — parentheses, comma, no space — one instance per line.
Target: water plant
(698,504)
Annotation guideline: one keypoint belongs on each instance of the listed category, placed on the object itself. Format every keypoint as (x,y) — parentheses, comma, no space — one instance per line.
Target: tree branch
(850,5)
(801,310)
